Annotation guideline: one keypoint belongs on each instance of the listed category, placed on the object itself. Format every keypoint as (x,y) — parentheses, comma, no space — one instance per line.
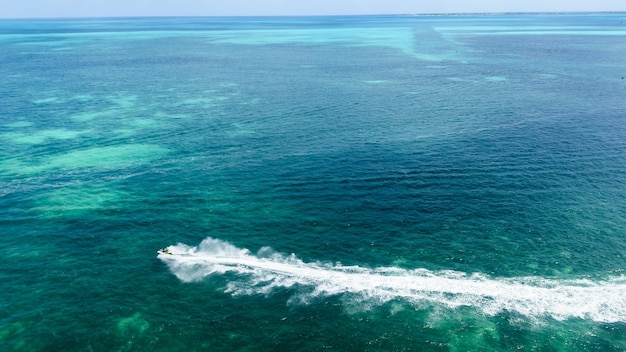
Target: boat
(164,251)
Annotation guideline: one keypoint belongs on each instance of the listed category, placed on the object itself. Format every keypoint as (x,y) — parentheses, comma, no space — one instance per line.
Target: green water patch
(142,123)
(436,45)
(63,48)
(548,76)
(118,122)
(110,157)
(201,102)
(495,79)
(50,100)
(124,101)
(11,330)
(133,127)
(169,116)
(19,124)
(106,157)
(467,331)
(23,138)
(78,200)
(40,137)
(124,132)
(115,107)
(82,97)
(240,129)
(132,325)
(528,30)
(254,101)
(396,37)
(14,166)
(94,115)
(556,32)
(18,336)
(463,330)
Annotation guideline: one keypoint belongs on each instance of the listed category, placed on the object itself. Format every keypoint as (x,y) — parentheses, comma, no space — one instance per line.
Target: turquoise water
(444,183)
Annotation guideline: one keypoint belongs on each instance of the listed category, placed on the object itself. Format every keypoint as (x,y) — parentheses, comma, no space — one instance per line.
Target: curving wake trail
(602,301)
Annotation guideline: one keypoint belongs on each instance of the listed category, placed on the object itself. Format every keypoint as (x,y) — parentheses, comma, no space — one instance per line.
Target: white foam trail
(603,301)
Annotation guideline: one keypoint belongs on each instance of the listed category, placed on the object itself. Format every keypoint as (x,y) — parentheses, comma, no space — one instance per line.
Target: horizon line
(426,14)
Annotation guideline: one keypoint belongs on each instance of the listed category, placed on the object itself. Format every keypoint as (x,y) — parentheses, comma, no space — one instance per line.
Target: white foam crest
(534,297)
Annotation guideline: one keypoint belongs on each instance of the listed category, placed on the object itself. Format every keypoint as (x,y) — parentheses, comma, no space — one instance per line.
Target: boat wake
(266,271)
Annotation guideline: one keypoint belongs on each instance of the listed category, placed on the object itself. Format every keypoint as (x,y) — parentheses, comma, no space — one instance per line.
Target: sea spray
(534,297)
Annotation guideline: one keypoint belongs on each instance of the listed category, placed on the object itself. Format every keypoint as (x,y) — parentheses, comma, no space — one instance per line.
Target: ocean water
(381,183)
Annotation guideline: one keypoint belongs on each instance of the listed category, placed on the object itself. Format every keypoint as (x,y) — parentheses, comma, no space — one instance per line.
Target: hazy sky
(106,8)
